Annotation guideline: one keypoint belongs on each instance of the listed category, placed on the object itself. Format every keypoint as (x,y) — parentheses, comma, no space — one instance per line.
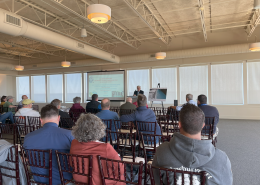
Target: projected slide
(157,94)
(106,85)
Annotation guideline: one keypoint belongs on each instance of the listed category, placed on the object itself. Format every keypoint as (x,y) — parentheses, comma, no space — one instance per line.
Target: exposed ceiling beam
(17,53)
(254,21)
(119,33)
(151,20)
(202,18)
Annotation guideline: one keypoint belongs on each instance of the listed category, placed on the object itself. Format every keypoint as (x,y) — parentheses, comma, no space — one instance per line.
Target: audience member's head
(189,97)
(202,99)
(50,113)
(76,99)
(56,103)
(141,100)
(3,99)
(105,104)
(191,120)
(27,103)
(129,99)
(138,88)
(10,99)
(88,128)
(24,97)
(94,97)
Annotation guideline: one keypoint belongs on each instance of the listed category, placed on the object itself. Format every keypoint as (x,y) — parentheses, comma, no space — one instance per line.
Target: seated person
(27,109)
(142,114)
(87,132)
(187,150)
(94,104)
(49,137)
(76,108)
(57,103)
(20,104)
(3,100)
(7,115)
(136,105)
(209,111)
(107,114)
(127,105)
(189,99)
(8,106)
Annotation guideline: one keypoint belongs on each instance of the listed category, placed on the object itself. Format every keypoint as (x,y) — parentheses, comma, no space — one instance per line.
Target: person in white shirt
(189,99)
(27,109)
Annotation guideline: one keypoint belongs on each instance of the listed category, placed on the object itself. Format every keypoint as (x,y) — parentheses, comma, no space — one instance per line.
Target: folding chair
(127,127)
(34,159)
(22,131)
(168,127)
(79,165)
(66,123)
(168,176)
(120,171)
(34,121)
(12,157)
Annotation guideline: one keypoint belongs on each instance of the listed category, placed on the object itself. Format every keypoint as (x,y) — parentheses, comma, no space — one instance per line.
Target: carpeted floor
(240,139)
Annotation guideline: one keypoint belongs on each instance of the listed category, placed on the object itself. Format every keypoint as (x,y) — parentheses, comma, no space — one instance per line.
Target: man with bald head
(127,106)
(106,114)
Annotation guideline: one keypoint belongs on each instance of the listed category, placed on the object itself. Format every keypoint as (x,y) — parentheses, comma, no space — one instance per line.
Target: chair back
(75,113)
(174,115)
(22,131)
(20,120)
(34,159)
(120,171)
(66,123)
(168,176)
(36,121)
(207,130)
(126,111)
(152,108)
(1,109)
(8,132)
(12,157)
(148,127)
(75,164)
(92,111)
(169,127)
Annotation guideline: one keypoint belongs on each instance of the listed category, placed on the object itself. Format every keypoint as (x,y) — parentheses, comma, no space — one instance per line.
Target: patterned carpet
(240,139)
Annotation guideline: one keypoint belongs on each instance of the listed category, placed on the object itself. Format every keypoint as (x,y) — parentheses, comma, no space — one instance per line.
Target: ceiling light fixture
(99,13)
(84,32)
(254,46)
(160,55)
(19,67)
(65,63)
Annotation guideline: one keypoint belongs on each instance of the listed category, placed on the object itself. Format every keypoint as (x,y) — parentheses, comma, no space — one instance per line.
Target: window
(54,87)
(167,77)
(193,80)
(86,85)
(138,77)
(253,82)
(38,89)
(23,87)
(73,86)
(227,83)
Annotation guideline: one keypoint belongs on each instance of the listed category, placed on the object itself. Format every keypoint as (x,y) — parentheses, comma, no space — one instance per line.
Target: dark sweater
(210,111)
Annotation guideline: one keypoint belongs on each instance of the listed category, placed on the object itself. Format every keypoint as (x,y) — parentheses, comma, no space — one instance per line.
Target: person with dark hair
(50,136)
(3,100)
(142,113)
(186,151)
(209,111)
(94,104)
(105,113)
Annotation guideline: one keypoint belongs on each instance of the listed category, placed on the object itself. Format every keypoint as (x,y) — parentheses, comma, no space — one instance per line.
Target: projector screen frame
(124,77)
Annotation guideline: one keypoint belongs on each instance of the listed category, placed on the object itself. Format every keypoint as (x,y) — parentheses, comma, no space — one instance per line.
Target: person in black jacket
(94,104)
(138,91)
(209,111)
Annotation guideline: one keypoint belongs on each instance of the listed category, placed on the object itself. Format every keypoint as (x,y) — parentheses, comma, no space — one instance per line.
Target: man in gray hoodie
(186,151)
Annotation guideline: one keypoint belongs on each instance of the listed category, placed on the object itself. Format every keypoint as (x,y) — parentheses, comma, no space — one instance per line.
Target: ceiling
(136,26)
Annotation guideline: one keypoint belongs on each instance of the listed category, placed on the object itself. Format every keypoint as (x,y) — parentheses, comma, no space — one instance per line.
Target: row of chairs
(5,109)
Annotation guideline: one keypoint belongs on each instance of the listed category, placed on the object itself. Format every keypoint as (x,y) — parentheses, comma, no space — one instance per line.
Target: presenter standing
(138,91)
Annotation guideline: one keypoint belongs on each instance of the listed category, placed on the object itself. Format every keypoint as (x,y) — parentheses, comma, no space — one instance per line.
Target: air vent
(80,45)
(34,65)
(13,20)
(113,56)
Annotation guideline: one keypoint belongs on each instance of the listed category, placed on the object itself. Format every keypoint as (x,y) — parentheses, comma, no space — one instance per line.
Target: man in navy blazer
(139,91)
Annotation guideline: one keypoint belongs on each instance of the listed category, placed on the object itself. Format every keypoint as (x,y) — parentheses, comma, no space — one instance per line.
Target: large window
(227,83)
(193,80)
(73,87)
(167,77)
(138,77)
(23,87)
(38,89)
(253,82)
(54,87)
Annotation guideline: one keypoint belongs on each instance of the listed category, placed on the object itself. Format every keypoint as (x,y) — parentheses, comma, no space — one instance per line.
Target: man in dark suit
(94,104)
(139,91)
(127,106)
(209,111)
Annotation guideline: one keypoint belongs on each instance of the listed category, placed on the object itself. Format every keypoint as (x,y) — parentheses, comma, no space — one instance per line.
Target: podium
(134,98)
